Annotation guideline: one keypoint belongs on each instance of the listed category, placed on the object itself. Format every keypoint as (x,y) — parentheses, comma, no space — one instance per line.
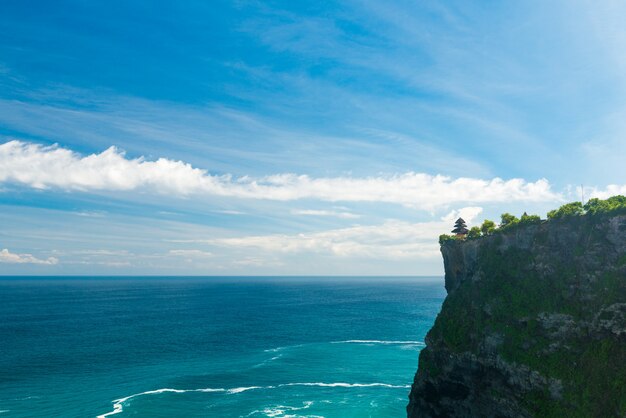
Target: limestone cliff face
(534,324)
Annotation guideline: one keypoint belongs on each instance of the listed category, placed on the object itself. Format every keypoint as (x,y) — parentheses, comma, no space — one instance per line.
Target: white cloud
(230,212)
(392,240)
(468,214)
(610,190)
(333,213)
(44,167)
(8,257)
(190,253)
(256,262)
(100,263)
(91,214)
(103,252)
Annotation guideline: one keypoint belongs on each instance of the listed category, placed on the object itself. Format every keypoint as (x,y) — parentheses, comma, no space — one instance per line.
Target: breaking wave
(384,342)
(118,404)
(281,410)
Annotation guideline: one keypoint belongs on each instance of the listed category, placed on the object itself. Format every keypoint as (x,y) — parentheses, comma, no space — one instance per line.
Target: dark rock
(534,325)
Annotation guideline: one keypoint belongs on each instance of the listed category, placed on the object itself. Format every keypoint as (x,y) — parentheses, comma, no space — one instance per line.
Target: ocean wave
(281,410)
(118,404)
(347,385)
(263,363)
(286,347)
(384,342)
(20,399)
(244,389)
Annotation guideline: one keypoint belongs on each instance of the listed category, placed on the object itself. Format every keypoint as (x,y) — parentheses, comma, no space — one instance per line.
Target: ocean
(212,346)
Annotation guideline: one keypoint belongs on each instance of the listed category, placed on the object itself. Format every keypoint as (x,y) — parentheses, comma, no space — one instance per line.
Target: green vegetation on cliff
(595,370)
(594,207)
(540,308)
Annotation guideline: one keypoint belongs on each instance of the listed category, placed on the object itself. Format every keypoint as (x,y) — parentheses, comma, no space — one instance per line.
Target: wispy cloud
(391,240)
(332,213)
(190,253)
(44,167)
(101,253)
(91,214)
(225,138)
(8,257)
(230,212)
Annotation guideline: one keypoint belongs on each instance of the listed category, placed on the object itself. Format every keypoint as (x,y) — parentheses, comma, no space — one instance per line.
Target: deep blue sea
(212,347)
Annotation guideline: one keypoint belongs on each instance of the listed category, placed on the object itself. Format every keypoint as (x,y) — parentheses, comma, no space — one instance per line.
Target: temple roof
(460,227)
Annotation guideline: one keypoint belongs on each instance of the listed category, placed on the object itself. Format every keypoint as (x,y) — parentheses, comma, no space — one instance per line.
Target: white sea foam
(347,385)
(244,389)
(263,363)
(2,411)
(284,411)
(286,347)
(118,404)
(20,399)
(385,342)
(117,408)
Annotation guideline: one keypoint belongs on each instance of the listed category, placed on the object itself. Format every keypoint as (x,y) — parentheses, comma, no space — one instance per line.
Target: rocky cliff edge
(534,325)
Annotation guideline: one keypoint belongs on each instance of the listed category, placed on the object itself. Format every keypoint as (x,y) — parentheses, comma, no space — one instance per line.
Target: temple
(460,228)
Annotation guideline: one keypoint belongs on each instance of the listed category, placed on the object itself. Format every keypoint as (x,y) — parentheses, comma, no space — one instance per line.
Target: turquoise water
(217,347)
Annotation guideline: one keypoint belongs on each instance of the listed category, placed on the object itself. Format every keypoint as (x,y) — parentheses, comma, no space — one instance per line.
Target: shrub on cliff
(613,204)
(507,220)
(595,206)
(617,201)
(527,219)
(569,209)
(488,227)
(473,233)
(445,237)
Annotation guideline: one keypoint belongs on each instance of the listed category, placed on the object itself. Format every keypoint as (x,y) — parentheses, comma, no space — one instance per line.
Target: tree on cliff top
(529,219)
(569,209)
(473,233)
(508,220)
(597,206)
(488,227)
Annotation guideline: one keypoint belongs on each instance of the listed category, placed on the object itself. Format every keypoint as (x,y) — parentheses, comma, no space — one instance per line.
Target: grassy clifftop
(534,324)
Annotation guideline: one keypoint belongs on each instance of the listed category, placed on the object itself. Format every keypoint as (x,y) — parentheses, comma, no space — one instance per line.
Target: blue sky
(251,137)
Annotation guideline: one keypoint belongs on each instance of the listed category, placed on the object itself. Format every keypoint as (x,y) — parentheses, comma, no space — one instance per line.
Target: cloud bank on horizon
(43,167)
(7,257)
(279,138)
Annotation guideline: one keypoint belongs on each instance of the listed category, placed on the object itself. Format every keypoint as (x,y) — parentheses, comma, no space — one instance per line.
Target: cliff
(534,324)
